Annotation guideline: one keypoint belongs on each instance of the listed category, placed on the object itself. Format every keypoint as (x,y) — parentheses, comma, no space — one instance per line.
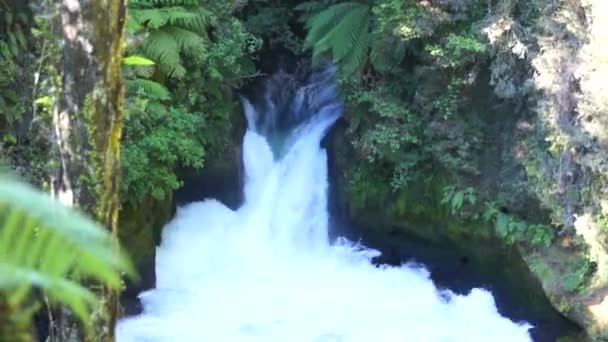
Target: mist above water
(268,272)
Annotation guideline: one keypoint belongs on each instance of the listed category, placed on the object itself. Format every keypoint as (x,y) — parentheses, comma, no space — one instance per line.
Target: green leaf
(49,247)
(150,89)
(45,101)
(137,60)
(457,200)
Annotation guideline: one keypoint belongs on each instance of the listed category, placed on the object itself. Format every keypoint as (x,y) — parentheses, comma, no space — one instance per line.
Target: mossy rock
(140,228)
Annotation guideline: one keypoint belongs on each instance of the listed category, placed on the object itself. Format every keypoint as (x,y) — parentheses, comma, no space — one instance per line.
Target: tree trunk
(88,120)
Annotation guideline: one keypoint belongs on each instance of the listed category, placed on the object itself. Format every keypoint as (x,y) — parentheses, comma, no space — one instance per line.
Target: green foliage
(11,105)
(271,23)
(45,246)
(512,229)
(366,187)
(27,89)
(575,279)
(191,55)
(156,141)
(399,112)
(455,198)
(137,60)
(171,29)
(341,32)
(447,104)
(148,88)
(13,50)
(385,130)
(407,20)
(457,50)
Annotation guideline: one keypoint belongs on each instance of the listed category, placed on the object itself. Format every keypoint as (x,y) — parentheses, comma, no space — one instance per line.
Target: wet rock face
(571,109)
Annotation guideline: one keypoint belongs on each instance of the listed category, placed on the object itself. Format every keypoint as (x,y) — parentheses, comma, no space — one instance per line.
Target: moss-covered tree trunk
(88,121)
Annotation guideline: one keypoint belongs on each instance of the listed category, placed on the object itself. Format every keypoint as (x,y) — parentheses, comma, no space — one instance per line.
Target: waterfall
(267,272)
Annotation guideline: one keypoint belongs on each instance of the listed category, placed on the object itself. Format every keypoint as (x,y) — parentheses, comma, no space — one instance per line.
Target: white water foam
(268,273)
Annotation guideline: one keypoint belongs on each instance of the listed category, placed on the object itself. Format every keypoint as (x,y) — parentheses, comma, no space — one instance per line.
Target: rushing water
(268,272)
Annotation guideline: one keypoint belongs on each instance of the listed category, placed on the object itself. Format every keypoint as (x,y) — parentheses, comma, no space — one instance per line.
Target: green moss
(366,188)
(542,270)
(140,227)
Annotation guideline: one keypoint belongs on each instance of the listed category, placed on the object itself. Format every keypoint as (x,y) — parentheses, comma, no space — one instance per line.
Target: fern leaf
(357,57)
(320,24)
(348,41)
(47,246)
(136,60)
(151,89)
(155,18)
(164,49)
(188,41)
(348,32)
(145,71)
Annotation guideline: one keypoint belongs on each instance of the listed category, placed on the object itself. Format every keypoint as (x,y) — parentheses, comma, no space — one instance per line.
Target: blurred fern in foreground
(48,248)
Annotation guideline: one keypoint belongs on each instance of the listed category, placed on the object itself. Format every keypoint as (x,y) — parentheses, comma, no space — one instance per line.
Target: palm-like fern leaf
(343,32)
(175,28)
(153,90)
(321,23)
(189,42)
(155,18)
(162,47)
(50,247)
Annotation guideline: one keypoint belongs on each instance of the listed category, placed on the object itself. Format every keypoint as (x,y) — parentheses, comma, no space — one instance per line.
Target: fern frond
(197,23)
(320,24)
(348,33)
(188,41)
(357,57)
(133,25)
(47,246)
(348,41)
(163,48)
(156,18)
(151,89)
(158,109)
(145,71)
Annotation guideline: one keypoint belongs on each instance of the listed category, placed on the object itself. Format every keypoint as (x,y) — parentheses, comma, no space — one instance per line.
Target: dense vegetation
(485,117)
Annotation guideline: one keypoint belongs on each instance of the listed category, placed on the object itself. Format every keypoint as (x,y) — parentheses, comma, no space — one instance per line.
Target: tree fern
(155,18)
(171,30)
(164,49)
(341,32)
(46,246)
(189,42)
(151,89)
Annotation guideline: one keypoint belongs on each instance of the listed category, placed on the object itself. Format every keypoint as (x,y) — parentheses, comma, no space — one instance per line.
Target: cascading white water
(267,272)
